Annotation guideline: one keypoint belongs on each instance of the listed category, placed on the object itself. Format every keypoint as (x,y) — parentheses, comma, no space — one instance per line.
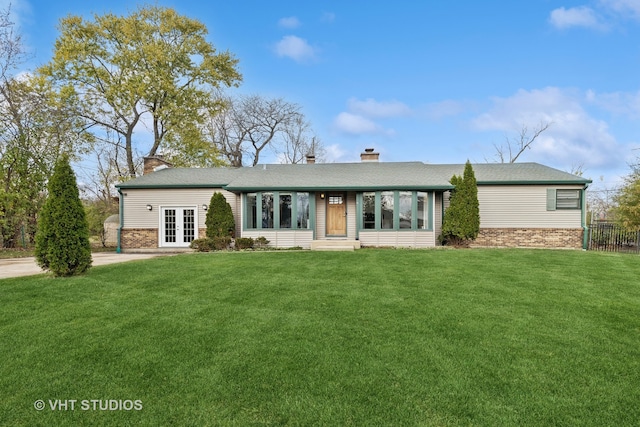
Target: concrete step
(335,245)
(334,248)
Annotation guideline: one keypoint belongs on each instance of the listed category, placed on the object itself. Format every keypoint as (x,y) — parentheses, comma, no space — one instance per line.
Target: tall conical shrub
(462,218)
(62,239)
(220,221)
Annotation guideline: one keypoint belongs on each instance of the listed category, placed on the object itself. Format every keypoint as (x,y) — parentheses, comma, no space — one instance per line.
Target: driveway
(15,267)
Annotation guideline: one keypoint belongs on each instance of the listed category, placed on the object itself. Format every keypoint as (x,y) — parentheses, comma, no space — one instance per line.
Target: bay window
(277,210)
(395,210)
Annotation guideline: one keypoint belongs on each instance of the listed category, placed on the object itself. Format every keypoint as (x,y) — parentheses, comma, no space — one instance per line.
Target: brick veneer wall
(566,238)
(139,238)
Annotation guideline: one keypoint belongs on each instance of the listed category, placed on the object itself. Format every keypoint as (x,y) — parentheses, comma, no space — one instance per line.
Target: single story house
(370,203)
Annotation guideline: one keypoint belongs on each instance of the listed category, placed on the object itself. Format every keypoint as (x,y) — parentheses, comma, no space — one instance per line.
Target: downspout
(119,248)
(585,228)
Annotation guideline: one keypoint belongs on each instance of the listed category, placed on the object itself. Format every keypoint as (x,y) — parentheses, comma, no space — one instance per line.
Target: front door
(336,214)
(178,226)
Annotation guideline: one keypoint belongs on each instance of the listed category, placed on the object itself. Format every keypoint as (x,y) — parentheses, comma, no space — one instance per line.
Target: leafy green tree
(627,212)
(62,240)
(153,61)
(220,221)
(38,125)
(462,218)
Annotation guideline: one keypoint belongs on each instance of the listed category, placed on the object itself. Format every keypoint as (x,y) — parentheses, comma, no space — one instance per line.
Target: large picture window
(405,209)
(386,210)
(285,210)
(267,210)
(277,210)
(423,211)
(395,210)
(369,210)
(252,210)
(302,208)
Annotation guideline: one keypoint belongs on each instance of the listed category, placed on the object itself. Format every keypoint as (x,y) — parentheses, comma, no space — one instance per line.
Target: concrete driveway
(15,267)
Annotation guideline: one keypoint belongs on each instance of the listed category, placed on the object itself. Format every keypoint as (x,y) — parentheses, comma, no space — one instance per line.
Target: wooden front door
(336,214)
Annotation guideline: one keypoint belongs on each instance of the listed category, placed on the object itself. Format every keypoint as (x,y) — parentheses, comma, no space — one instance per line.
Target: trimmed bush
(220,221)
(221,243)
(202,245)
(62,239)
(261,242)
(244,243)
(209,244)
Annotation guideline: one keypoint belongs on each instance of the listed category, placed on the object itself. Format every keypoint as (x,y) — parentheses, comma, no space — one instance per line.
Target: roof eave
(536,182)
(340,188)
(149,186)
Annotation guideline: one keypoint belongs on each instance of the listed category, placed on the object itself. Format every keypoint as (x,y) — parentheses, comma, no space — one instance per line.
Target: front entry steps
(335,245)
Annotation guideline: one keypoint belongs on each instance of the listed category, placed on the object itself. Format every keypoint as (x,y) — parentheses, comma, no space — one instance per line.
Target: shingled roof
(350,176)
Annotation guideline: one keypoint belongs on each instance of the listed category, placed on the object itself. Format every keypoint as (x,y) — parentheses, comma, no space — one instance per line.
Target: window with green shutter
(558,199)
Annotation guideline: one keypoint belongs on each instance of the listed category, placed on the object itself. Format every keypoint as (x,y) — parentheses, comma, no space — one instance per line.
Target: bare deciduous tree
(12,50)
(510,151)
(298,142)
(250,124)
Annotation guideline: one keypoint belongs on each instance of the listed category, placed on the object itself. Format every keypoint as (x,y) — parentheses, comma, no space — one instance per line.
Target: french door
(179,226)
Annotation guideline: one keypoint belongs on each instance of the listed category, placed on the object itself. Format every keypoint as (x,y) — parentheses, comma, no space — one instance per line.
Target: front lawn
(371,337)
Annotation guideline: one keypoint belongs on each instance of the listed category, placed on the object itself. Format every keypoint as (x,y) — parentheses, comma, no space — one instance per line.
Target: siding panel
(283,238)
(136,214)
(413,239)
(522,206)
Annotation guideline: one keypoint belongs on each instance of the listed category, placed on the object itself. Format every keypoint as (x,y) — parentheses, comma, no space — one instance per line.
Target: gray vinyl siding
(283,238)
(404,238)
(520,206)
(437,213)
(351,216)
(321,218)
(136,214)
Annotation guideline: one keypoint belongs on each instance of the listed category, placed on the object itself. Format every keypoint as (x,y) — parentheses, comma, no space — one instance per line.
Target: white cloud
(356,125)
(295,48)
(442,109)
(290,22)
(376,109)
(617,103)
(623,7)
(362,115)
(581,16)
(334,153)
(574,137)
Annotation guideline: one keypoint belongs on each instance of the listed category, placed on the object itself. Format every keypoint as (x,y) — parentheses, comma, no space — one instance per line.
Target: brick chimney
(369,155)
(311,159)
(153,163)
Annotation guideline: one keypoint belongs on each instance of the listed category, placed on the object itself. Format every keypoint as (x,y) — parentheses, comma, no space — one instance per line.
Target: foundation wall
(565,238)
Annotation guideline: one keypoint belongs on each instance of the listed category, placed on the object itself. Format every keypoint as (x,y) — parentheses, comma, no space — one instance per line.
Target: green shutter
(551,199)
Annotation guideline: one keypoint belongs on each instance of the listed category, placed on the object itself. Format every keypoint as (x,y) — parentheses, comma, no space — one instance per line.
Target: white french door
(179,226)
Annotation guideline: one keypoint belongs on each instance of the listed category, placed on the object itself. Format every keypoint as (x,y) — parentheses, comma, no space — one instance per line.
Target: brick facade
(139,238)
(565,238)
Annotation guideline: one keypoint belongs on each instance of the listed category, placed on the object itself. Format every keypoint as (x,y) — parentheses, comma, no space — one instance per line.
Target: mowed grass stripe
(373,337)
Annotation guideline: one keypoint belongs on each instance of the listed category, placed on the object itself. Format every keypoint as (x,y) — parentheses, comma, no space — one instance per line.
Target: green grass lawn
(371,337)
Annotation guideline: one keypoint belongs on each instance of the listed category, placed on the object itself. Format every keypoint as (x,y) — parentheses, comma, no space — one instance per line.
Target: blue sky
(439,82)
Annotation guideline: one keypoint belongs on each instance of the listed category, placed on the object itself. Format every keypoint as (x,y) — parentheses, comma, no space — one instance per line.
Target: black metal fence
(610,237)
